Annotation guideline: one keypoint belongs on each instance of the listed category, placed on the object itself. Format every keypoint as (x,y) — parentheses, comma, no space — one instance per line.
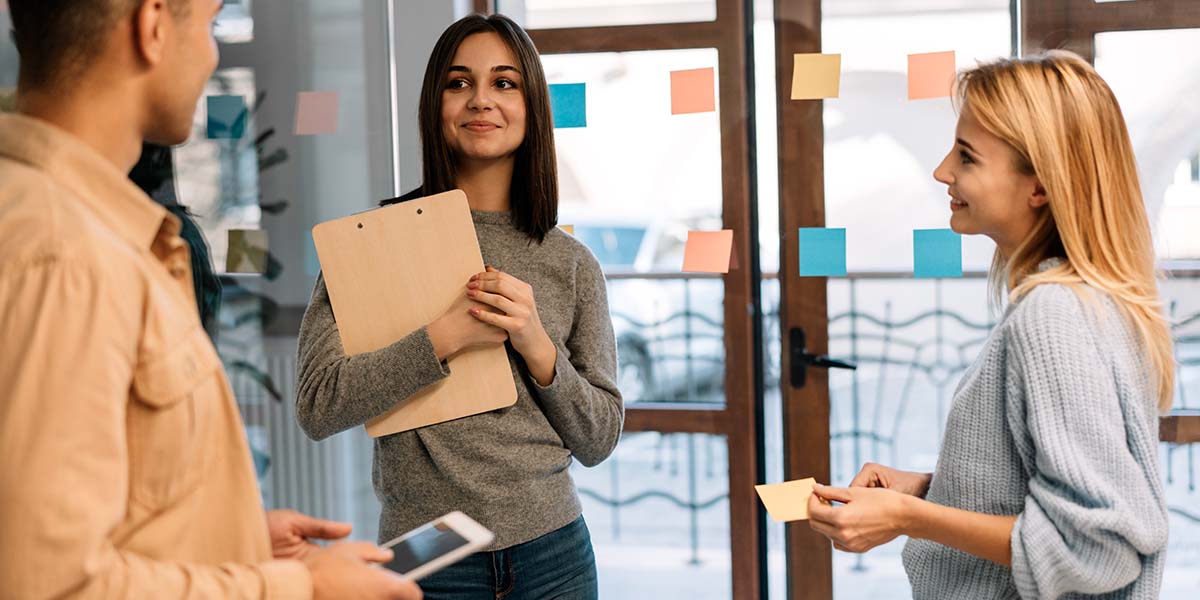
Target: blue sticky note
(227,117)
(822,252)
(937,253)
(568,103)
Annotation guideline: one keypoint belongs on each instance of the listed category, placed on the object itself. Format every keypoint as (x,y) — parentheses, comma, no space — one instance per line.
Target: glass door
(860,165)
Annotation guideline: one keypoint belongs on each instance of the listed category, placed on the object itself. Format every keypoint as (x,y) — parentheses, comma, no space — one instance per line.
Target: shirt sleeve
(1095,509)
(582,402)
(65,371)
(336,392)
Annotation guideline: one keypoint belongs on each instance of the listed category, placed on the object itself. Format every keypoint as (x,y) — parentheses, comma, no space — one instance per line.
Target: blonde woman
(1047,485)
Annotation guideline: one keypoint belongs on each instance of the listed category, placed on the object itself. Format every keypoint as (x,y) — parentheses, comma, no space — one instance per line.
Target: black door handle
(801,360)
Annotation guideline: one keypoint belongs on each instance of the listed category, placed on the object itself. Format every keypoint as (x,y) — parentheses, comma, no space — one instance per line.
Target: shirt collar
(115,200)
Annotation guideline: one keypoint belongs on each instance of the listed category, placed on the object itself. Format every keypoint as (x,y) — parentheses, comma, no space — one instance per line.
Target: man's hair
(57,39)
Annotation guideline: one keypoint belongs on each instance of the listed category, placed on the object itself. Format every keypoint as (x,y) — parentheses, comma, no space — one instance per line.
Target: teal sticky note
(822,252)
(227,117)
(568,103)
(937,253)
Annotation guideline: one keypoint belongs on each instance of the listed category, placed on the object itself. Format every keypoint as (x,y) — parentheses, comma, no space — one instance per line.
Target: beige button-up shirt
(124,468)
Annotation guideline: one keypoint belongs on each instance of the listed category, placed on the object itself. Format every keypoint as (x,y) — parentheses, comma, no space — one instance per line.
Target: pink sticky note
(930,75)
(708,251)
(693,91)
(316,113)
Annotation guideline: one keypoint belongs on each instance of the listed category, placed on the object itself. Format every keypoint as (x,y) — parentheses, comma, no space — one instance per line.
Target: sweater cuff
(416,351)
(563,369)
(1023,577)
(286,580)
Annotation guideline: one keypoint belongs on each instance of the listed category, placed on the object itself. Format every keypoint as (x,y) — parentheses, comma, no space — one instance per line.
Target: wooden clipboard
(393,270)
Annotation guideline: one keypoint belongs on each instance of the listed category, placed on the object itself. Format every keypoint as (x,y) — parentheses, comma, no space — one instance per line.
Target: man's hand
(291,532)
(349,571)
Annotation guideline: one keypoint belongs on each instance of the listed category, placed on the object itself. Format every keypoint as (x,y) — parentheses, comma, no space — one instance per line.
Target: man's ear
(151,25)
(1038,198)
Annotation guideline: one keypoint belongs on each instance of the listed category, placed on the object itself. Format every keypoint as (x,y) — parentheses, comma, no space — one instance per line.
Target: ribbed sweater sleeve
(1093,513)
(335,392)
(583,403)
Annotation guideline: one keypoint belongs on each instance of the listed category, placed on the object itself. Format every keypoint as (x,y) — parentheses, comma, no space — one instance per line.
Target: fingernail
(474,311)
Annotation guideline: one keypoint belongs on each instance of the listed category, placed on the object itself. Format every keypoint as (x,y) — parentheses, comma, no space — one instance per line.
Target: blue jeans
(559,566)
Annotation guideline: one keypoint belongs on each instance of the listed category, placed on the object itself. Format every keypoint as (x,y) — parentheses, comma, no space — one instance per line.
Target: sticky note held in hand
(787,501)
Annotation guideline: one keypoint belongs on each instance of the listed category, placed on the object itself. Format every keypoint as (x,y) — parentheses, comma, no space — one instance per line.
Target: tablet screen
(427,543)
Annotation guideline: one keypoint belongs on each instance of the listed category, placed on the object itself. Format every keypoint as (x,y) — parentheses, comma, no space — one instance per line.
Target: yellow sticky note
(708,251)
(930,75)
(816,76)
(568,228)
(787,501)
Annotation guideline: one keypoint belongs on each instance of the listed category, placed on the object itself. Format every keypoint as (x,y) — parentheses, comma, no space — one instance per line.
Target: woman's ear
(1038,198)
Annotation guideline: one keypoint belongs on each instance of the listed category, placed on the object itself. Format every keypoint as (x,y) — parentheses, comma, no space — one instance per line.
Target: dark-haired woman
(486,129)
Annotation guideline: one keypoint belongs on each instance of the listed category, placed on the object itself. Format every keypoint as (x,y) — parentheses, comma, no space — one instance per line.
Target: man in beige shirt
(124,469)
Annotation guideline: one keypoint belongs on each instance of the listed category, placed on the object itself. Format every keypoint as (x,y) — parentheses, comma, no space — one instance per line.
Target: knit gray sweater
(507,469)
(1056,423)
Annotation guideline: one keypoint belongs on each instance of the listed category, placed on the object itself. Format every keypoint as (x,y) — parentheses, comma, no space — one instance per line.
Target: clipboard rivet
(360,225)
(419,211)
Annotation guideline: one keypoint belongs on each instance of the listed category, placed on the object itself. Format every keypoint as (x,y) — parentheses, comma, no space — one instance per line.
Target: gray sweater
(1056,423)
(507,469)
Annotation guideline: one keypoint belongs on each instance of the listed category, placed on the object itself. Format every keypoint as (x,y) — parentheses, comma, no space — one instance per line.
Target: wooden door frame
(1073,24)
(803,301)
(739,419)
(1070,24)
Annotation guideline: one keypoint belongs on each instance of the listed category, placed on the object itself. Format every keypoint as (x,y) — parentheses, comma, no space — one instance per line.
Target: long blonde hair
(1067,129)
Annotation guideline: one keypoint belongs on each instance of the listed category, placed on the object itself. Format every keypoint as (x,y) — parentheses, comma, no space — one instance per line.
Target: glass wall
(633,183)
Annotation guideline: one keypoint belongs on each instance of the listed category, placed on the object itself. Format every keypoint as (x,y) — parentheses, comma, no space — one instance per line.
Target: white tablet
(437,544)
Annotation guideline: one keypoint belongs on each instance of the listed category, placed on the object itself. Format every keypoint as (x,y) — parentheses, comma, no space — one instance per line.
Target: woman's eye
(966,158)
(456,84)
(506,84)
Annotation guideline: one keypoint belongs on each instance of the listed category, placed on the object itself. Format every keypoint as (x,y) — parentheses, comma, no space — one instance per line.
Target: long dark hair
(534,190)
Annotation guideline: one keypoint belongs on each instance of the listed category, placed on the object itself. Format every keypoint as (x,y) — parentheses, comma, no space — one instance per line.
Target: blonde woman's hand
(906,482)
(868,517)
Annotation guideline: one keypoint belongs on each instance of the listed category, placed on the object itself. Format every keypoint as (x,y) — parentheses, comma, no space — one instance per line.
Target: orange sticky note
(787,501)
(693,91)
(708,251)
(316,113)
(816,76)
(568,228)
(930,75)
